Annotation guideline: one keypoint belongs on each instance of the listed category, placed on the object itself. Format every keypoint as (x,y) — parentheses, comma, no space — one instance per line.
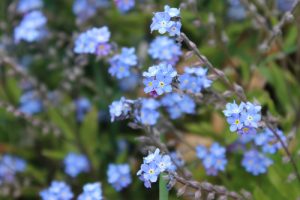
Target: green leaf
(163,191)
(61,122)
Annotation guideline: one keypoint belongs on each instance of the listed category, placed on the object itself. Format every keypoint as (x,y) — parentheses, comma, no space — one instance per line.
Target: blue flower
(153,165)
(255,162)
(236,10)
(120,109)
(31,28)
(148,114)
(76,164)
(163,162)
(162,84)
(235,122)
(233,108)
(30,104)
(103,49)
(119,69)
(88,41)
(119,176)
(85,9)
(194,79)
(129,83)
(268,141)
(82,106)
(161,22)
(165,49)
(124,5)
(213,159)
(176,160)
(243,118)
(158,78)
(9,167)
(122,63)
(285,5)
(178,104)
(57,190)
(174,28)
(173,12)
(28,5)
(167,21)
(91,191)
(201,151)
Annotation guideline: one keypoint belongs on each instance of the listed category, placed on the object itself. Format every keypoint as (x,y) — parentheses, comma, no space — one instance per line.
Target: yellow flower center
(237,121)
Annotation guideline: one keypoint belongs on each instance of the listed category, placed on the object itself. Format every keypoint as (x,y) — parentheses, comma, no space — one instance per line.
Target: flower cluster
(120,109)
(194,79)
(153,165)
(85,9)
(25,6)
(121,64)
(124,5)
(268,141)
(148,114)
(243,118)
(158,79)
(9,167)
(255,162)
(236,10)
(213,159)
(119,176)
(75,164)
(255,159)
(91,191)
(177,104)
(82,106)
(29,103)
(93,41)
(31,28)
(57,190)
(167,21)
(165,49)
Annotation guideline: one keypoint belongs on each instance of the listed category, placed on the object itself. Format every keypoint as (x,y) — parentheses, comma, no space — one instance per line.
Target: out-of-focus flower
(9,167)
(30,104)
(285,5)
(194,79)
(124,5)
(177,104)
(85,9)
(76,164)
(165,49)
(119,175)
(176,160)
(255,162)
(91,191)
(58,190)
(82,106)
(236,10)
(89,41)
(213,159)
(31,28)
(25,6)
(148,114)
(121,64)
(268,141)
